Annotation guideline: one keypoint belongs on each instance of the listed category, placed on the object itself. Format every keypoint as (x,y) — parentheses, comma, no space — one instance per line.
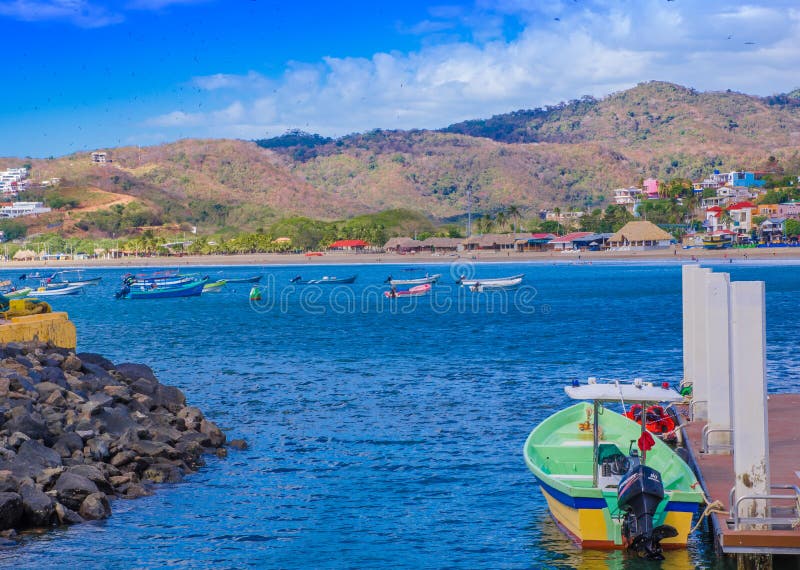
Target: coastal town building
(18,209)
(349,245)
(13,181)
(772,229)
(741,217)
(640,235)
(403,245)
(100,157)
(489,242)
(567,242)
(789,210)
(650,189)
(442,244)
(627,196)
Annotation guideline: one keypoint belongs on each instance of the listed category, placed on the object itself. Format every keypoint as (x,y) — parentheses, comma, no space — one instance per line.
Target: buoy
(255,294)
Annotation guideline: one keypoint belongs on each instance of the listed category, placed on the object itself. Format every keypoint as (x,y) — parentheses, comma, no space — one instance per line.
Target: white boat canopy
(636,392)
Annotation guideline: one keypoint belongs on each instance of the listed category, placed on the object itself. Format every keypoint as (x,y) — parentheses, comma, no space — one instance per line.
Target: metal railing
(766,520)
(691,407)
(708,431)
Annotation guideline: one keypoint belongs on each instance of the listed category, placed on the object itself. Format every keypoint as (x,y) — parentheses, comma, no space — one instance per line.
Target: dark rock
(94,474)
(8,483)
(239,444)
(55,375)
(17,438)
(10,510)
(48,477)
(71,363)
(123,458)
(221,452)
(101,399)
(73,489)
(136,371)
(119,393)
(191,417)
(154,449)
(95,359)
(38,508)
(66,515)
(163,473)
(144,386)
(95,507)
(24,360)
(213,432)
(134,491)
(37,454)
(30,423)
(169,397)
(115,420)
(20,383)
(98,449)
(67,443)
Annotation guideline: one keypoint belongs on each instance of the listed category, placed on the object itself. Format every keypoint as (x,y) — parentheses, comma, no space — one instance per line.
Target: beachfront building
(535,242)
(592,242)
(640,235)
(567,242)
(349,245)
(713,220)
(402,245)
(442,244)
(741,217)
(19,209)
(772,230)
(495,242)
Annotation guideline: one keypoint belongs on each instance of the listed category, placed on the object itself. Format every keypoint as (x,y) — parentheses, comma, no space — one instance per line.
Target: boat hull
(497,283)
(559,452)
(187,290)
(254,279)
(326,281)
(420,281)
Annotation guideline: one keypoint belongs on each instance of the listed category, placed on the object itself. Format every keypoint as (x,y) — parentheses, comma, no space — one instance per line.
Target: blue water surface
(383,433)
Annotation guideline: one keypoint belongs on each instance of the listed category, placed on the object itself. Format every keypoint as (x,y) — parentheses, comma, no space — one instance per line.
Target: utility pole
(469,212)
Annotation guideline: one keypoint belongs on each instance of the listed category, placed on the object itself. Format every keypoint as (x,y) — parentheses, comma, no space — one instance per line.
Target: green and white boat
(603,491)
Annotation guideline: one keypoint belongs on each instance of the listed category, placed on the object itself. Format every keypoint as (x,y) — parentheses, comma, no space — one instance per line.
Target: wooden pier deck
(715,473)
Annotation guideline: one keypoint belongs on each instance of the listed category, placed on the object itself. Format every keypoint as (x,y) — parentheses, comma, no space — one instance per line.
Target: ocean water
(384,433)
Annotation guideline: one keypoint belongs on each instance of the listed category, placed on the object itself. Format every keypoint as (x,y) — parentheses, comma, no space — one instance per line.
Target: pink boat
(413,292)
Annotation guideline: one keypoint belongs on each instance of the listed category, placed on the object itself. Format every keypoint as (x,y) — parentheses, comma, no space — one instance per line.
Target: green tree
(792,227)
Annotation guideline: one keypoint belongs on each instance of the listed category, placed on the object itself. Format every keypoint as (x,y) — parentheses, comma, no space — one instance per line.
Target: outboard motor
(640,492)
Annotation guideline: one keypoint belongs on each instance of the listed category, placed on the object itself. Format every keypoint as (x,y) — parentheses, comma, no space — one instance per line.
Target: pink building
(651,188)
(789,210)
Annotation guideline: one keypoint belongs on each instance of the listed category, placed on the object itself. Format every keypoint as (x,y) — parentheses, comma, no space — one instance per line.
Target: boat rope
(712,507)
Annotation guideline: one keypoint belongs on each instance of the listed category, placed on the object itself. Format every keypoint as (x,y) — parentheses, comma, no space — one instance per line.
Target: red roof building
(348,244)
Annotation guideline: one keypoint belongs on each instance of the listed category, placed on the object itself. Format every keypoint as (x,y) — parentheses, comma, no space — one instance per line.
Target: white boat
(420,281)
(46,292)
(495,283)
(70,277)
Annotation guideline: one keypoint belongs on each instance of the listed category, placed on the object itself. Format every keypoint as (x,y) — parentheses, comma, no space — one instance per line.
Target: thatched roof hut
(640,234)
(24,255)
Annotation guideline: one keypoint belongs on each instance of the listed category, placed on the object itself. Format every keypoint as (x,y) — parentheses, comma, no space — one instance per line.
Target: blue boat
(154,290)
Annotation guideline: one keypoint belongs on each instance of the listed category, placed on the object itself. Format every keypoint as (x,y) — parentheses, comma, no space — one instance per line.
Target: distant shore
(669,254)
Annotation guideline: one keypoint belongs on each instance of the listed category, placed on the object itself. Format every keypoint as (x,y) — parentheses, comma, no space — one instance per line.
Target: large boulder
(35,453)
(10,510)
(72,489)
(95,359)
(94,474)
(169,397)
(136,371)
(38,508)
(95,507)
(30,423)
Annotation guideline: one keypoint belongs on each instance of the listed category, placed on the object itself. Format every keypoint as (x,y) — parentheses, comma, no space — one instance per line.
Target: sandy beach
(670,254)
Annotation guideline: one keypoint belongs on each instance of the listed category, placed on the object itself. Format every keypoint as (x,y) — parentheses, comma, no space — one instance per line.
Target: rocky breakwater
(76,431)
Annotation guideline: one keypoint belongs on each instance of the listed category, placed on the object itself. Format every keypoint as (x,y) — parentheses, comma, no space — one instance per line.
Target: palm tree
(513,212)
(500,220)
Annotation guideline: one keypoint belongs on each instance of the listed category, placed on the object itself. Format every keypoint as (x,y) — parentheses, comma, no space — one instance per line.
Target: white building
(627,196)
(13,180)
(100,157)
(18,209)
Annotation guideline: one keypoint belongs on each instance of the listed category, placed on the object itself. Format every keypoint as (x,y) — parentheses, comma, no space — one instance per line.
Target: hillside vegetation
(569,155)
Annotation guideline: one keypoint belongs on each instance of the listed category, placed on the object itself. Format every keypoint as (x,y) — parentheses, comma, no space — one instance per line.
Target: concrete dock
(716,474)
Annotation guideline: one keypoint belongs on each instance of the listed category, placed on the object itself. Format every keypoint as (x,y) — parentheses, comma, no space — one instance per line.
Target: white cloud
(600,48)
(159,4)
(79,12)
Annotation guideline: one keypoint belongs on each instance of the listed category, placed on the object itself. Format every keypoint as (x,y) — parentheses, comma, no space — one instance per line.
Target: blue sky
(85,74)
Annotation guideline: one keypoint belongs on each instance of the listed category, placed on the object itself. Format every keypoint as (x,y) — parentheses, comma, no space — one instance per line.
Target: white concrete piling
(695,356)
(718,359)
(748,368)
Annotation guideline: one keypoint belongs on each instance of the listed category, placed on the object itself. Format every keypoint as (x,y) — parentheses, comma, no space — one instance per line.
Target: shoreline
(275,259)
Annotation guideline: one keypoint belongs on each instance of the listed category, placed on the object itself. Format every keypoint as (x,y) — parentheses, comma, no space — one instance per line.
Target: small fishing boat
(159,279)
(607,481)
(415,291)
(17,293)
(70,277)
(420,281)
(56,291)
(327,280)
(717,242)
(492,283)
(155,291)
(253,279)
(214,287)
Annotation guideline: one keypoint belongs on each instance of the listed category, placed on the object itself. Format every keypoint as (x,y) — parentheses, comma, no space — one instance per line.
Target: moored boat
(214,287)
(415,291)
(70,277)
(253,279)
(420,281)
(491,283)
(327,280)
(56,291)
(154,291)
(601,489)
(17,293)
